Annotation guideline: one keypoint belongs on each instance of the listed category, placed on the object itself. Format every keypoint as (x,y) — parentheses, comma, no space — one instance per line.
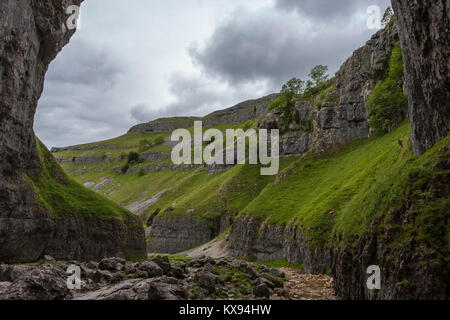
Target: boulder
(208,268)
(151,268)
(177,272)
(160,290)
(261,291)
(48,258)
(46,282)
(276,282)
(278,273)
(251,273)
(112,264)
(132,289)
(163,262)
(206,280)
(103,276)
(268,283)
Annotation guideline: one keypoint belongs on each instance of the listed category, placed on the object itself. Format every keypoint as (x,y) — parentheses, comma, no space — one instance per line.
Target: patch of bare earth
(303,286)
(217,248)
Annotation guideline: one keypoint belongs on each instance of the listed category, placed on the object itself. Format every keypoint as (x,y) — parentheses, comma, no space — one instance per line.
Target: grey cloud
(194,96)
(80,102)
(89,91)
(274,46)
(85,64)
(326,10)
(268,46)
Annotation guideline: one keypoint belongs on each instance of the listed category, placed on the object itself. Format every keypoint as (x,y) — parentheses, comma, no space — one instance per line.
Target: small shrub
(248,125)
(386,105)
(141,172)
(307,125)
(388,16)
(125,168)
(324,96)
(319,75)
(133,157)
(396,65)
(159,140)
(144,142)
(144,145)
(286,101)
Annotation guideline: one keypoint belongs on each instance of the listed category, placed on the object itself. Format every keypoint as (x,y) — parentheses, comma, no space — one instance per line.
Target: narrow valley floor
(299,285)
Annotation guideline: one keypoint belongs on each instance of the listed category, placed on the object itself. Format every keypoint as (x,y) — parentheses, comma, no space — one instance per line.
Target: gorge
(345,197)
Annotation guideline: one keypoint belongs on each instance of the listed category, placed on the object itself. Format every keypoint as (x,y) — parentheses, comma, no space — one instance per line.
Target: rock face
(348,266)
(176,234)
(248,238)
(31,35)
(342,117)
(29,283)
(425,35)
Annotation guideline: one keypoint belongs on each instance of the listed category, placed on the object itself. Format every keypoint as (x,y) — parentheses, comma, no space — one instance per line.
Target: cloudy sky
(134,61)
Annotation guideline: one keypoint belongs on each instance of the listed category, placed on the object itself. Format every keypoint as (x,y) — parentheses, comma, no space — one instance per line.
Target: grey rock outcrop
(244,111)
(29,283)
(112,264)
(343,117)
(348,265)
(176,234)
(424,35)
(31,35)
(200,281)
(262,291)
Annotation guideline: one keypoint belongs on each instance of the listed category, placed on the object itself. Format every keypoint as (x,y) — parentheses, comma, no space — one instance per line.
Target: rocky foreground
(157,279)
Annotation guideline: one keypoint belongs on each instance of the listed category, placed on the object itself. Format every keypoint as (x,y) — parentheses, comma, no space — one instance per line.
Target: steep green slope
(192,190)
(210,195)
(63,196)
(343,192)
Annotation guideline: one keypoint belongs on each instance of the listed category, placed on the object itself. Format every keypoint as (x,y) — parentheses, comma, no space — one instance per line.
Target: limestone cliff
(31,35)
(340,116)
(425,37)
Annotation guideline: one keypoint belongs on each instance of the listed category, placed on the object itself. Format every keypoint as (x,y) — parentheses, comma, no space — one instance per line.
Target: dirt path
(217,248)
(139,206)
(302,286)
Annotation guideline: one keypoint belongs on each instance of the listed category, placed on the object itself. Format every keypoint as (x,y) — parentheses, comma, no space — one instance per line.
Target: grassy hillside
(63,196)
(342,192)
(194,191)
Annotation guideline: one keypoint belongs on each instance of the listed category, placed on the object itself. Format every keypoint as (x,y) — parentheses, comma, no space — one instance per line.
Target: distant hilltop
(244,111)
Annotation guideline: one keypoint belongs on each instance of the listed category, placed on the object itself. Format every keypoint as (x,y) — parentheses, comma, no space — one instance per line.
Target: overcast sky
(134,61)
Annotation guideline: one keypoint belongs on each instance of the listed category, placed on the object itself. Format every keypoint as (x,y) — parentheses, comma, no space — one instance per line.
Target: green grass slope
(194,192)
(344,192)
(63,196)
(340,193)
